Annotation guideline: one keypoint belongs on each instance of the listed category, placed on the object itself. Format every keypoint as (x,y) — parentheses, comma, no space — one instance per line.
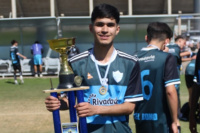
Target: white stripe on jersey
(173,83)
(78,56)
(134,99)
(127,55)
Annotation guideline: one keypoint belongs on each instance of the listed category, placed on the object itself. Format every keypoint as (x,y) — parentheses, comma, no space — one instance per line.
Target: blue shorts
(37,59)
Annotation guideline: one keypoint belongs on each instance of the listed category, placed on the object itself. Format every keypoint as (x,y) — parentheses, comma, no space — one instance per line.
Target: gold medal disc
(102,90)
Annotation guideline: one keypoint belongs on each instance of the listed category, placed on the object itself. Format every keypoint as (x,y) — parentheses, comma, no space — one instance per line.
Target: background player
(176,50)
(190,75)
(37,51)
(14,54)
(113,77)
(158,112)
(195,97)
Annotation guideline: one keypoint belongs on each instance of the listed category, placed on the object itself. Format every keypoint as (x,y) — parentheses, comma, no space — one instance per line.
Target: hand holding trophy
(68,82)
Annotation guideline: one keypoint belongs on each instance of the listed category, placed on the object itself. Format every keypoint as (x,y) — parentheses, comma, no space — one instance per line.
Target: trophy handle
(56,116)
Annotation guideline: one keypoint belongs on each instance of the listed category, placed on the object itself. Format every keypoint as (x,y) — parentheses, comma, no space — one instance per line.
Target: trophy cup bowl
(66,75)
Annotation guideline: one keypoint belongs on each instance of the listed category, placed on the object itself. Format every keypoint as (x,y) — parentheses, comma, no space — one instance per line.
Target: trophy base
(66,81)
(67,89)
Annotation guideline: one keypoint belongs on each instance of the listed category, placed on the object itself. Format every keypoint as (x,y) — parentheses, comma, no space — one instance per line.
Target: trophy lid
(61,43)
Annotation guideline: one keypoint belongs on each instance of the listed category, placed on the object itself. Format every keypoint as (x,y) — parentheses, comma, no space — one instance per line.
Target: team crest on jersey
(89,76)
(117,75)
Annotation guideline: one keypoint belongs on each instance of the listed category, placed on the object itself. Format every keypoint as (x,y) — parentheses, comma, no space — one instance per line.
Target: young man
(158,112)
(177,51)
(190,75)
(37,51)
(14,54)
(113,77)
(195,97)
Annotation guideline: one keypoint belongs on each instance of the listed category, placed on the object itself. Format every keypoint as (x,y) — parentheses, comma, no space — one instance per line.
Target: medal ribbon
(102,80)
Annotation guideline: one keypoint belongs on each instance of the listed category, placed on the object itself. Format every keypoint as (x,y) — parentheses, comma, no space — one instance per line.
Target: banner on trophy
(70,127)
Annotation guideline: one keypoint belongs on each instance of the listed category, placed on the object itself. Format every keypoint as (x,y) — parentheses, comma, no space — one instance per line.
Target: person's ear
(118,29)
(166,41)
(145,37)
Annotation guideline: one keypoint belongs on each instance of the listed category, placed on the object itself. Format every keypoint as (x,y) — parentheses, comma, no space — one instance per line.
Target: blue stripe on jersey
(175,80)
(170,82)
(135,96)
(195,79)
(192,65)
(96,119)
(114,95)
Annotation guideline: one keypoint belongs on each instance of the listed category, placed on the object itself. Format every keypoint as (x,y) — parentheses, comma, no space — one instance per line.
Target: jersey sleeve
(197,67)
(134,88)
(178,51)
(16,50)
(171,76)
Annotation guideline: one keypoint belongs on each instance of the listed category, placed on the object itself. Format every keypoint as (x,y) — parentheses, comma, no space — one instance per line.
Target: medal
(103,90)
(104,81)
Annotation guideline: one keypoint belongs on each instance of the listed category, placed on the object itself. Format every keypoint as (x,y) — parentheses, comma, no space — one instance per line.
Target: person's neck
(156,43)
(177,44)
(103,53)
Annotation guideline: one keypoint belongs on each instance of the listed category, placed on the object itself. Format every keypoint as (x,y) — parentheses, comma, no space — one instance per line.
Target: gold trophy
(67,83)
(66,75)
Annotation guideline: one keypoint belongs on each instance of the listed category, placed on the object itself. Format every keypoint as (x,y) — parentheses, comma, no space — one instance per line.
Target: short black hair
(105,11)
(13,42)
(37,42)
(179,37)
(158,30)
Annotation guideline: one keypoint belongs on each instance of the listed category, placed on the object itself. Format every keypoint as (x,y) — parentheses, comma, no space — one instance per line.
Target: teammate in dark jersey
(14,54)
(195,96)
(158,76)
(177,51)
(113,77)
(190,75)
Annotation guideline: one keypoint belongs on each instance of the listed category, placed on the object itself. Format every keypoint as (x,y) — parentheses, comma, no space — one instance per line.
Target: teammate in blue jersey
(113,77)
(15,57)
(37,51)
(158,112)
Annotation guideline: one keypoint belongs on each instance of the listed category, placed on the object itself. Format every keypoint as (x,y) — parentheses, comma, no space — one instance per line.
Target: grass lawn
(23,109)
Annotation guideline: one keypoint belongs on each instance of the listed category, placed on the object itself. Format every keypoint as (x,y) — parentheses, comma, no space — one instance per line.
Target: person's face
(182,43)
(16,44)
(104,31)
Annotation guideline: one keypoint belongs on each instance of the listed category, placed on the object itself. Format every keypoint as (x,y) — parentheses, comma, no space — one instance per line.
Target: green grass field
(23,109)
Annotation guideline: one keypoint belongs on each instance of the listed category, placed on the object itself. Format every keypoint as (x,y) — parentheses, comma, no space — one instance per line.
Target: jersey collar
(114,55)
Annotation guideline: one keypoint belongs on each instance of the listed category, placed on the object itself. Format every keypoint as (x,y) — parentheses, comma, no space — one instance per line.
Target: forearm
(172,100)
(185,53)
(186,59)
(85,109)
(21,55)
(117,109)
